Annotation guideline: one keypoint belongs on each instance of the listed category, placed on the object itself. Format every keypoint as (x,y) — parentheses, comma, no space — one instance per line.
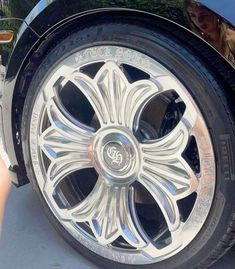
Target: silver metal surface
(119,158)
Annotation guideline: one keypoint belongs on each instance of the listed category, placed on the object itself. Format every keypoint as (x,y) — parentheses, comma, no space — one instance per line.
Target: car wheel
(128,141)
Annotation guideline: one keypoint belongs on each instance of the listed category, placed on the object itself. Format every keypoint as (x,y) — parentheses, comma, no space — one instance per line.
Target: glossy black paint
(49,20)
(42,16)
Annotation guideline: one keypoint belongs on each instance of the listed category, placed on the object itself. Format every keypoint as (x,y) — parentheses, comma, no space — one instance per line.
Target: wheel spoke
(87,86)
(110,212)
(99,209)
(164,199)
(113,85)
(128,222)
(66,144)
(58,80)
(86,209)
(113,98)
(163,158)
(165,173)
(104,92)
(167,83)
(135,101)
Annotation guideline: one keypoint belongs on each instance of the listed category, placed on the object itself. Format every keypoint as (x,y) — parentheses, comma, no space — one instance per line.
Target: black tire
(217,233)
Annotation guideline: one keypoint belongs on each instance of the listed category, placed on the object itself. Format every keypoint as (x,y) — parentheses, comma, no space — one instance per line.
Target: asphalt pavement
(30,242)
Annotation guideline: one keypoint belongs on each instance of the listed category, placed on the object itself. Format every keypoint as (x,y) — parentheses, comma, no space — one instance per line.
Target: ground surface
(29,240)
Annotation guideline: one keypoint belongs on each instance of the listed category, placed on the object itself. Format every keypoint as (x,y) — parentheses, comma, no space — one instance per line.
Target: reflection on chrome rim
(133,170)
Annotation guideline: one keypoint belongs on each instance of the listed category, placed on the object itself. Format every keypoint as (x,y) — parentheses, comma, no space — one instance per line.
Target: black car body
(39,26)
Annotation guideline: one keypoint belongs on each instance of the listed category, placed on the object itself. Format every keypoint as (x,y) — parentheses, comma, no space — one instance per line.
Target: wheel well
(217,64)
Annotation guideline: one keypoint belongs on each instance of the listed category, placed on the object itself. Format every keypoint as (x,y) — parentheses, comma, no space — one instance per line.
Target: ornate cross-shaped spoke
(168,83)
(110,212)
(66,143)
(58,80)
(135,101)
(114,99)
(166,174)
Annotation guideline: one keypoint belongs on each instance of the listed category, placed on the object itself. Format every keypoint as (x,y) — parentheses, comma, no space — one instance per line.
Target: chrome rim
(122,155)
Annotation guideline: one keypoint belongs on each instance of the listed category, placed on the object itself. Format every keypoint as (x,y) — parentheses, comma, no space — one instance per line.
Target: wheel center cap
(116,155)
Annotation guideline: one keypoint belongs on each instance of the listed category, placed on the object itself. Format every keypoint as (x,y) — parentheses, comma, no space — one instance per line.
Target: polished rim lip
(120,255)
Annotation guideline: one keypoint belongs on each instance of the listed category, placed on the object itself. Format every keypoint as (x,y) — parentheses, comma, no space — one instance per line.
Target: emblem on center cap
(115,155)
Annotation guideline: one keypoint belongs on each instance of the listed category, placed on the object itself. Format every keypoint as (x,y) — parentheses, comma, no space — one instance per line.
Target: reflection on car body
(212,28)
